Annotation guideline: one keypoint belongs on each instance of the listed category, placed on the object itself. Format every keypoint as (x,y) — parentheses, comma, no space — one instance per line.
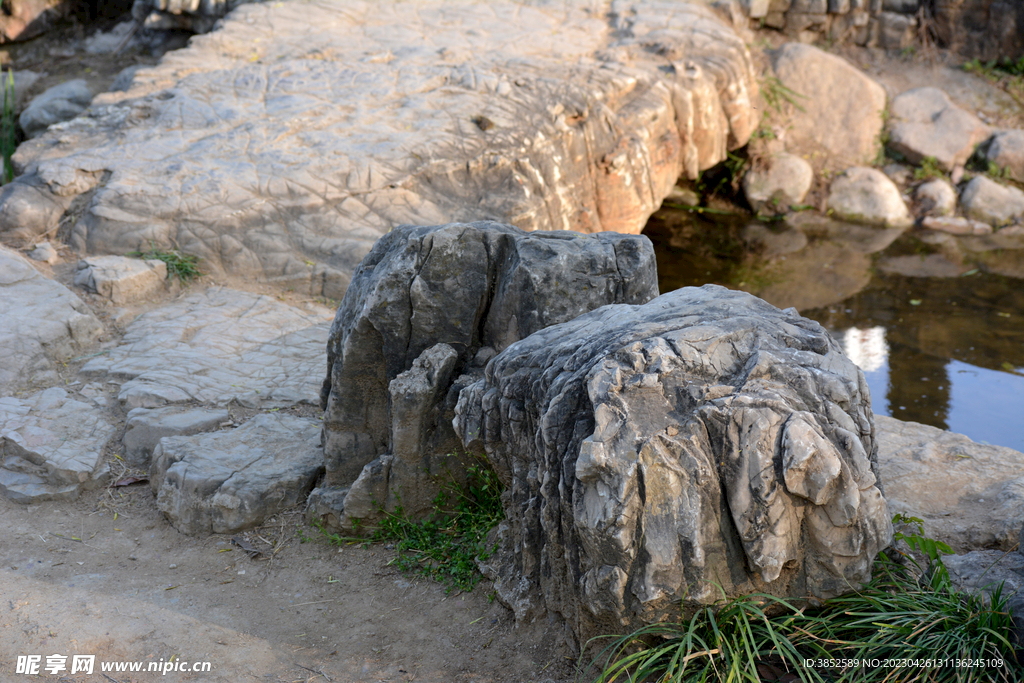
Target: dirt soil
(107,574)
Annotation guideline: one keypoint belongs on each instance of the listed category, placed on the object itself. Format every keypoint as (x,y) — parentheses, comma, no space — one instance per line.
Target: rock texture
(703,442)
(1007,152)
(233,480)
(51,447)
(121,279)
(983,571)
(842,107)
(784,182)
(936,198)
(969,495)
(281,146)
(431,304)
(866,195)
(41,323)
(144,427)
(60,103)
(218,346)
(926,123)
(988,201)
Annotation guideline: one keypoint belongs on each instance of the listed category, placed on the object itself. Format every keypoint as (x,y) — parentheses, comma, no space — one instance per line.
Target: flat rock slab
(121,279)
(146,426)
(51,447)
(220,346)
(969,495)
(281,146)
(41,322)
(233,480)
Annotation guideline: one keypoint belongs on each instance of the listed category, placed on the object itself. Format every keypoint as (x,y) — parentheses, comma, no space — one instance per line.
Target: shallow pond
(935,321)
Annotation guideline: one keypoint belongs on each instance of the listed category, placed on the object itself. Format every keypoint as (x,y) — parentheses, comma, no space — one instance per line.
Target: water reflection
(936,323)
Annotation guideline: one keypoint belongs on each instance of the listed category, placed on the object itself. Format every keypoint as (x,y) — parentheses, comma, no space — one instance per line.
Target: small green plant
(997,172)
(8,129)
(183,266)
(775,94)
(928,169)
(917,627)
(447,544)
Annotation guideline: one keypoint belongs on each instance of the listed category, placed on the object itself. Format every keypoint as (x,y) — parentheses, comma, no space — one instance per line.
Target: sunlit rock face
(281,146)
(702,444)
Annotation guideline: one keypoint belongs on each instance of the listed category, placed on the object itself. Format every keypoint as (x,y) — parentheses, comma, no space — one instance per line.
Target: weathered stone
(41,323)
(988,201)
(550,117)
(969,495)
(144,428)
(901,174)
(986,29)
(901,6)
(896,31)
(842,108)
(697,447)
(44,252)
(60,103)
(26,19)
(29,210)
(233,480)
(121,279)
(1007,151)
(936,198)
(219,346)
(783,183)
(429,304)
(865,195)
(926,123)
(51,447)
(182,15)
(838,6)
(985,571)
(956,225)
(755,9)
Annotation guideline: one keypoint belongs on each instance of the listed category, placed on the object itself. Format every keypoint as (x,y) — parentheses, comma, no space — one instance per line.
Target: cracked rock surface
(426,310)
(232,480)
(51,446)
(702,442)
(283,145)
(217,346)
(41,323)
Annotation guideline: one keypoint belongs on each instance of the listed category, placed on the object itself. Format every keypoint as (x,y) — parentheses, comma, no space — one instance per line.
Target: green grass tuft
(446,545)
(183,266)
(928,169)
(911,619)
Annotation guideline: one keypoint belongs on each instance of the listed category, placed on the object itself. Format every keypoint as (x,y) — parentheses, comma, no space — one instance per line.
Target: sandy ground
(107,575)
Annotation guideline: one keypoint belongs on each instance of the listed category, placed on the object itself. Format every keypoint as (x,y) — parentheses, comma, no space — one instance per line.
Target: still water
(935,321)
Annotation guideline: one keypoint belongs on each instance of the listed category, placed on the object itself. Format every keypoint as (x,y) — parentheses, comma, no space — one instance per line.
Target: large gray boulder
(840,109)
(233,480)
(41,323)
(700,445)
(284,162)
(51,447)
(926,123)
(429,305)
